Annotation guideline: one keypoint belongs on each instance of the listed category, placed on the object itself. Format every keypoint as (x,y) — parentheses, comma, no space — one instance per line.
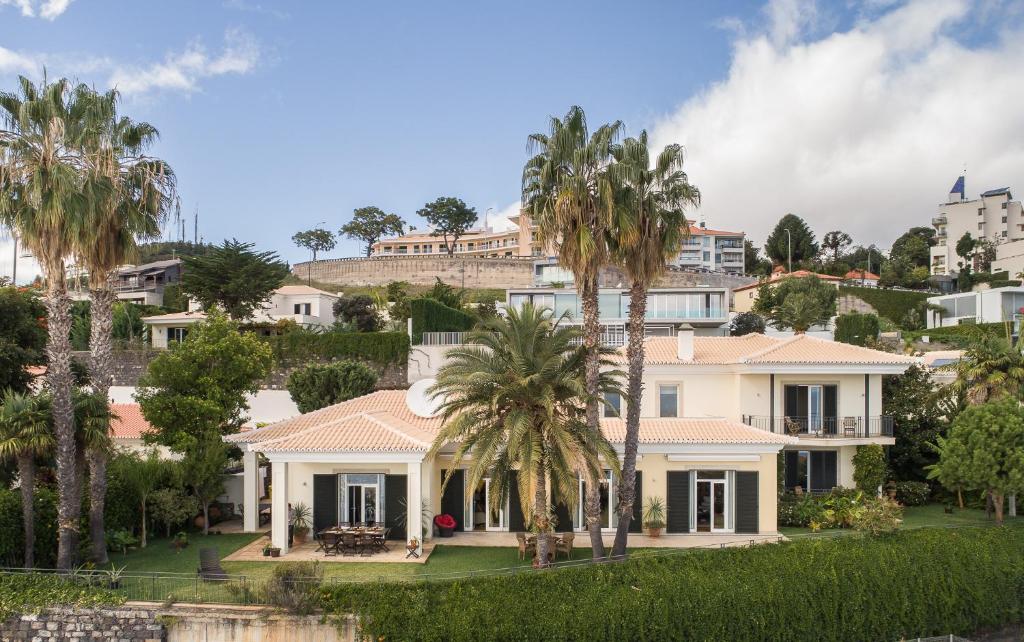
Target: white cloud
(47,9)
(183,71)
(497,219)
(863,130)
(255,7)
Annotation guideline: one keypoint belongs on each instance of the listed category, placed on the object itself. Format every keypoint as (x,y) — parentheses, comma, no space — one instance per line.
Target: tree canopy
(746,323)
(918,421)
(913,246)
(449,217)
(369,224)
(319,385)
(752,261)
(358,310)
(22,337)
(316,240)
(233,277)
(804,246)
(796,303)
(834,243)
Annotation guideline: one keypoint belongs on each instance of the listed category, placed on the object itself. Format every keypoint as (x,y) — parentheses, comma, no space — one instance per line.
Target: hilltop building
(993,216)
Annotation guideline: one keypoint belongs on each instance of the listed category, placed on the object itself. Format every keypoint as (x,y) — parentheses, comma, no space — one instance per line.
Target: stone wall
(149,622)
(471,272)
(849,303)
(129,365)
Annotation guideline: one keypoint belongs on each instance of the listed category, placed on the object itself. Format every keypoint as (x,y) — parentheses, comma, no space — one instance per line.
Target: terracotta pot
(654,532)
(275,552)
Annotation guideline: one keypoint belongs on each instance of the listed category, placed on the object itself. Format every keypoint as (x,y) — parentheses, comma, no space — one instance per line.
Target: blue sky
(279,115)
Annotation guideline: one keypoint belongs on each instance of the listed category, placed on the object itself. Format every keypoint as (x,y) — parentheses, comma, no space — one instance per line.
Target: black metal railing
(853,427)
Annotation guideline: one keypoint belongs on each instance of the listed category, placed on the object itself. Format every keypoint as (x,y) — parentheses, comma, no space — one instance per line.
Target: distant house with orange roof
(862,278)
(744,297)
(128,428)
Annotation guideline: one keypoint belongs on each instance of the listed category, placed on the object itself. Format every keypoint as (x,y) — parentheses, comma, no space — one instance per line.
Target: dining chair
(329,542)
(564,544)
(348,544)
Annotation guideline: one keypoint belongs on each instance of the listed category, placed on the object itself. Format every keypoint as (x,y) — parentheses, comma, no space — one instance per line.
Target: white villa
(716,413)
(302,304)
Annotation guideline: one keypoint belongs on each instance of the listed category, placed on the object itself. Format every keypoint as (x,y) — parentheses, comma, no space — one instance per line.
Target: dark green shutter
(823,470)
(325,502)
(454,500)
(678,517)
(396,488)
(563,515)
(792,467)
(746,502)
(791,405)
(636,524)
(516,520)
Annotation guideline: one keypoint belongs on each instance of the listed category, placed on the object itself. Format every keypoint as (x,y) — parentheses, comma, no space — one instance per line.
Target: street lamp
(789,246)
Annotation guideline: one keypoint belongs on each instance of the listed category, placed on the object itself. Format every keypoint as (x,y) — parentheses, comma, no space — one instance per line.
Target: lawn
(932,515)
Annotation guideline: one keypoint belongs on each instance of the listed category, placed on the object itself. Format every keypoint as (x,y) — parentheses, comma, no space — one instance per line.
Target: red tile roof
(759,349)
(696,230)
(862,274)
(129,422)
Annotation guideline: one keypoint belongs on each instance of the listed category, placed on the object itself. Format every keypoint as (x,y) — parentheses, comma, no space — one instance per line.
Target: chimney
(684,341)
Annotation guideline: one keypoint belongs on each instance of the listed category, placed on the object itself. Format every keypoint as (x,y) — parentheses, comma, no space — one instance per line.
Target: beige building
(715,414)
(993,216)
(484,242)
(712,251)
(744,298)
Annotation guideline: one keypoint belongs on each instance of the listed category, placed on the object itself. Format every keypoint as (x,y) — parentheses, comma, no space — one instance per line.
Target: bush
(746,323)
(295,586)
(319,385)
(12,531)
(879,515)
(961,336)
(837,509)
(913,493)
(24,594)
(302,346)
(856,328)
(869,468)
(907,584)
(359,311)
(429,315)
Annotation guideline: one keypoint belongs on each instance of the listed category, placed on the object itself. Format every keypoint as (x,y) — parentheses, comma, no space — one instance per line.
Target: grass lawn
(159,557)
(918,517)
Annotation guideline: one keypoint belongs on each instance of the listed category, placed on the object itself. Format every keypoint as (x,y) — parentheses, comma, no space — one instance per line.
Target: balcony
(939,220)
(824,427)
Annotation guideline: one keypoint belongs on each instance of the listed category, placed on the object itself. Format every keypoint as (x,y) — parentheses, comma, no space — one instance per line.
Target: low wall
(148,622)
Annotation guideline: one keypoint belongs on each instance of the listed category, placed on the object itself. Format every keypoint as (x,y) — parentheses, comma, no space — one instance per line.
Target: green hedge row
(24,594)
(429,315)
(856,328)
(301,346)
(960,335)
(891,304)
(12,531)
(909,584)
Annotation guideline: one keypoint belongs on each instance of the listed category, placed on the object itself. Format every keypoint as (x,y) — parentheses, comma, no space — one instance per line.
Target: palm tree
(43,197)
(133,194)
(92,420)
(25,433)
(649,226)
(513,397)
(569,195)
(992,368)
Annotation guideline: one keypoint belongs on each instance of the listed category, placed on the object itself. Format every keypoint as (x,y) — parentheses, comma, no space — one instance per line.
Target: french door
(363,502)
(711,502)
(483,514)
(812,407)
(606,490)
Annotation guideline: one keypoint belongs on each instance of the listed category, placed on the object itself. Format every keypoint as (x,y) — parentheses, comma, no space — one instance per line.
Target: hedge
(907,584)
(23,594)
(12,531)
(429,315)
(302,346)
(891,304)
(856,328)
(959,335)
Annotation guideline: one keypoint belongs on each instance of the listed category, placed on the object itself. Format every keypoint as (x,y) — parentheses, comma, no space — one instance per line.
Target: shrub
(171,507)
(319,385)
(24,594)
(970,579)
(302,346)
(879,515)
(856,328)
(913,493)
(12,533)
(746,323)
(429,315)
(869,468)
(891,304)
(359,311)
(295,586)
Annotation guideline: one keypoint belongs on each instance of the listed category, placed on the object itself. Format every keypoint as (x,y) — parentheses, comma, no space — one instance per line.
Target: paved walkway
(636,540)
(307,551)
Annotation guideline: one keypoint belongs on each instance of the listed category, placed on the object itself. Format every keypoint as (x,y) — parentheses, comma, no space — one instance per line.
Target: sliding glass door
(811,408)
(712,502)
(363,496)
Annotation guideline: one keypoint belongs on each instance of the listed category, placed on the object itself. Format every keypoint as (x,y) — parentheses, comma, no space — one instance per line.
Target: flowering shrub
(912,493)
(445,521)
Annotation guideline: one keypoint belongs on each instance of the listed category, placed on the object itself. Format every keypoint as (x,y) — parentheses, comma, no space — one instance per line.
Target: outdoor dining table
(374,531)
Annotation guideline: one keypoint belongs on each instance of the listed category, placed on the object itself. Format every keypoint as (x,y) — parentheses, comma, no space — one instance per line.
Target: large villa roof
(759,349)
(382,422)
(128,422)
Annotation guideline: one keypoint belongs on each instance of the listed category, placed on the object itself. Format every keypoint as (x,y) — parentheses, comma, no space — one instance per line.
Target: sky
(279,116)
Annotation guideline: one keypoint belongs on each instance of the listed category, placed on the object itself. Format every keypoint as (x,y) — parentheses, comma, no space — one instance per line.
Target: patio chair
(365,544)
(209,566)
(849,426)
(525,546)
(329,543)
(380,540)
(564,544)
(348,544)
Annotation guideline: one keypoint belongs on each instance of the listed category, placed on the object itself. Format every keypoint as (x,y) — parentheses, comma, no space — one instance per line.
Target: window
(302,308)
(176,334)
(607,494)
(1004,218)
(1004,204)
(614,404)
(981,211)
(668,401)
(981,225)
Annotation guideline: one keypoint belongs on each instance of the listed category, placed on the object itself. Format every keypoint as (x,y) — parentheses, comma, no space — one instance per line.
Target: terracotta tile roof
(361,432)
(696,230)
(692,430)
(862,274)
(761,349)
(129,422)
(177,316)
(779,275)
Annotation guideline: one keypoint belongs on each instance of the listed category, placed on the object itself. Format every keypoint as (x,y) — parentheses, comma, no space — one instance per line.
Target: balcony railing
(824,427)
(939,220)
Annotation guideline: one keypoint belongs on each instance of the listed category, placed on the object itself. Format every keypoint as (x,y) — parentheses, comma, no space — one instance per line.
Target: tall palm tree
(133,194)
(512,397)
(43,197)
(992,369)
(569,195)
(92,421)
(650,224)
(24,434)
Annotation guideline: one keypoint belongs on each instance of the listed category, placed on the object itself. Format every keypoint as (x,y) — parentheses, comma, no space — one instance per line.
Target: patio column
(279,505)
(250,491)
(414,503)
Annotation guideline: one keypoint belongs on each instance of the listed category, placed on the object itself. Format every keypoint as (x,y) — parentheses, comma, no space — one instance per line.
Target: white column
(250,492)
(279,505)
(413,503)
(426,483)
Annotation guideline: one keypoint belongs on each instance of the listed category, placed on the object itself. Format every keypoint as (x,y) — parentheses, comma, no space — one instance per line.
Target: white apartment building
(994,216)
(712,251)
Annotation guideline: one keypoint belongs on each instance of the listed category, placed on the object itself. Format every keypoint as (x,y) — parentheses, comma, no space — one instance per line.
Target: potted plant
(413,545)
(654,516)
(266,549)
(180,541)
(275,551)
(114,576)
(300,522)
(445,524)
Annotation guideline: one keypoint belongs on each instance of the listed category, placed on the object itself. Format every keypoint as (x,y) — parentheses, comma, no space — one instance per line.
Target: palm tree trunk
(592,340)
(540,516)
(101,340)
(634,392)
(97,504)
(59,382)
(27,477)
